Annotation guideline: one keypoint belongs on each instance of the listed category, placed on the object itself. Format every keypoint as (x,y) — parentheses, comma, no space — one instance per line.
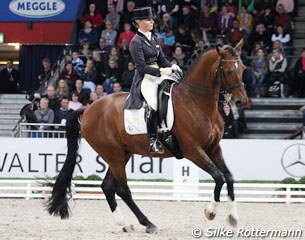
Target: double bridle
(220,77)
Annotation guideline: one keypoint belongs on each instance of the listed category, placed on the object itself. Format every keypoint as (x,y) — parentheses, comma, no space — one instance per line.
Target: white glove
(166,71)
(175,67)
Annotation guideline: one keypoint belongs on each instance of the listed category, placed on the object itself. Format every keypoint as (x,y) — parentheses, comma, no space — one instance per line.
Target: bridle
(220,77)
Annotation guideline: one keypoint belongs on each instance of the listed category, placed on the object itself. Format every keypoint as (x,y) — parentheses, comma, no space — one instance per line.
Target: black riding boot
(151,121)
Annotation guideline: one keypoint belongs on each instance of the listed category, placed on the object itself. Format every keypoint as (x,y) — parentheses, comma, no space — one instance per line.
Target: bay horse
(198,128)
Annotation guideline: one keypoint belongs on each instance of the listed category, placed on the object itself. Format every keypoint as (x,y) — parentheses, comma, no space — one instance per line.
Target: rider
(151,68)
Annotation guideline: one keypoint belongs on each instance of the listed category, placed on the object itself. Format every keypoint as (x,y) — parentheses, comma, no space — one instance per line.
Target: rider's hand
(166,71)
(175,67)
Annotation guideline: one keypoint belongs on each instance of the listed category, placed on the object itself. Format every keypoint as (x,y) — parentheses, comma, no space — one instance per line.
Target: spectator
(88,33)
(282,18)
(236,34)
(93,97)
(267,18)
(116,88)
(184,37)
(225,20)
(115,55)
(85,51)
(128,14)
(167,50)
(43,115)
(277,73)
(227,117)
(77,63)
(104,51)
(94,16)
(188,19)
(281,35)
(69,75)
(172,8)
(62,114)
(113,74)
(236,115)
(261,36)
(169,37)
(96,56)
(109,34)
(179,56)
(90,75)
(245,19)
(287,4)
(212,3)
(207,23)
(9,78)
(259,69)
(113,17)
(46,63)
(99,90)
(232,8)
(53,102)
(83,96)
(298,82)
(127,77)
(62,89)
(165,22)
(127,34)
(119,5)
(74,104)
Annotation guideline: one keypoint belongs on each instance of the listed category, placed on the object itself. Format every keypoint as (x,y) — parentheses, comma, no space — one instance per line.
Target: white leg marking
(212,206)
(233,208)
(118,217)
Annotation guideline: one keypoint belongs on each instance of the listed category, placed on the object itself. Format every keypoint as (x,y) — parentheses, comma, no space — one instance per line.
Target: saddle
(167,138)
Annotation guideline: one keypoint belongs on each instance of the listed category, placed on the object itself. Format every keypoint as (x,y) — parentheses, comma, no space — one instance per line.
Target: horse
(198,127)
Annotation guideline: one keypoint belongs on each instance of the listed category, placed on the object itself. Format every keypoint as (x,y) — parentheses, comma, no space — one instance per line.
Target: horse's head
(230,73)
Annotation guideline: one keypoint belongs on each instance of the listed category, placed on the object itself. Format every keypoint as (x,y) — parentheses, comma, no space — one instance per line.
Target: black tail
(58,203)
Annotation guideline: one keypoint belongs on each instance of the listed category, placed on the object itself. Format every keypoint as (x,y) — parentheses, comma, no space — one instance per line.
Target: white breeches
(149,89)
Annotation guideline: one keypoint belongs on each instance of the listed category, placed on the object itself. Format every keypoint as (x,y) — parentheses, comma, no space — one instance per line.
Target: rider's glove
(175,67)
(166,71)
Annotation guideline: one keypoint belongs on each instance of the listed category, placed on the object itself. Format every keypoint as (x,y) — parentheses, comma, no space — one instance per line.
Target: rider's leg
(149,88)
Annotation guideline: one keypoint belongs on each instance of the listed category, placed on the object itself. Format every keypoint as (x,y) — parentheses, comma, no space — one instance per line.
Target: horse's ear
(239,45)
(219,50)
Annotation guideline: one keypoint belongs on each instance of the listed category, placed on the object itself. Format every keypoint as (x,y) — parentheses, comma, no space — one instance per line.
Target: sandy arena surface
(21,219)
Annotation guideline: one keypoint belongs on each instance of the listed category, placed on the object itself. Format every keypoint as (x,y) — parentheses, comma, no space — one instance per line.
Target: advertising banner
(247,160)
(38,10)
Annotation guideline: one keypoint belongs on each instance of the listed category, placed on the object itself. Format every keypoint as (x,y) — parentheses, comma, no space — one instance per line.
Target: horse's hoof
(151,229)
(232,220)
(128,229)
(209,215)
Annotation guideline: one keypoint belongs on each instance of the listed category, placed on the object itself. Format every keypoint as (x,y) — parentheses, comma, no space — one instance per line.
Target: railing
(164,191)
(32,130)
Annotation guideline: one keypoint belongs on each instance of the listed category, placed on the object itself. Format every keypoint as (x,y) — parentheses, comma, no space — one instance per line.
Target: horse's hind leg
(109,187)
(116,182)
(124,192)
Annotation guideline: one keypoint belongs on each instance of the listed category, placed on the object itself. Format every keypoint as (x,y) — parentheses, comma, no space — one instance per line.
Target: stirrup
(155,147)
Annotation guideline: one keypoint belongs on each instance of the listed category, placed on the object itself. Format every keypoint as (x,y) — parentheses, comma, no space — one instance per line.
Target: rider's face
(146,25)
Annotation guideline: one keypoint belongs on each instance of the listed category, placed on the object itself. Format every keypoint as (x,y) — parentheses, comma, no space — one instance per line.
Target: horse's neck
(203,76)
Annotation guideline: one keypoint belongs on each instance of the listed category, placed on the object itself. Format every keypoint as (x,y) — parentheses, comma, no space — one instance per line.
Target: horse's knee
(229,178)
(218,178)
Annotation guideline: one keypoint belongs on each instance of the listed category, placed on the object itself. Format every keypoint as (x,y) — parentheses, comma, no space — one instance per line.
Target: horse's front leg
(216,156)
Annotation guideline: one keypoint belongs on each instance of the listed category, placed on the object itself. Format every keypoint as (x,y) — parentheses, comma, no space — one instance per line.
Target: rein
(198,89)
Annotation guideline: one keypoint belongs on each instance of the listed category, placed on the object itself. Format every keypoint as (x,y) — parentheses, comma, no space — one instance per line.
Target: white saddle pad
(135,123)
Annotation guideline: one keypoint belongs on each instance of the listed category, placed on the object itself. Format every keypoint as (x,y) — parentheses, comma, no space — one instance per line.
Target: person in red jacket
(94,15)
(127,34)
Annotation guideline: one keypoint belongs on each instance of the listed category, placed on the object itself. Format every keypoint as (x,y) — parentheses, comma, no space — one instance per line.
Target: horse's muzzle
(241,103)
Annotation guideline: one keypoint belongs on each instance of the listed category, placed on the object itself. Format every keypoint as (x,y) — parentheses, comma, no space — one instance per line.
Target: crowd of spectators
(101,63)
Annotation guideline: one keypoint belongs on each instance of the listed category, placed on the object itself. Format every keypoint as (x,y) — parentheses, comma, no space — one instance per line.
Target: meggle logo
(37,8)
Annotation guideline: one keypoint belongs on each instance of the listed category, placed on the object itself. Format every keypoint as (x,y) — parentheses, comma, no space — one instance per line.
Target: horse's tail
(58,202)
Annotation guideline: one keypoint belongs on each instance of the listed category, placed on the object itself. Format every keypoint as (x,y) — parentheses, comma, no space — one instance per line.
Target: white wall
(247,159)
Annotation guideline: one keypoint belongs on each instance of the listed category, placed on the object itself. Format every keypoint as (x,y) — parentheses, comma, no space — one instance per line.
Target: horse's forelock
(230,49)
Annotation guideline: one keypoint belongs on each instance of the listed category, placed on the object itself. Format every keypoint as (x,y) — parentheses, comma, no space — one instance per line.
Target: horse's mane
(194,59)
(192,62)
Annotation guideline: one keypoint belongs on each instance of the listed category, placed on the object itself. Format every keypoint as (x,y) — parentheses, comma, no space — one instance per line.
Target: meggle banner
(38,10)
(247,160)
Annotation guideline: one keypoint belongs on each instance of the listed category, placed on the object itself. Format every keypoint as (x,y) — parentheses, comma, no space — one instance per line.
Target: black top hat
(143,13)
